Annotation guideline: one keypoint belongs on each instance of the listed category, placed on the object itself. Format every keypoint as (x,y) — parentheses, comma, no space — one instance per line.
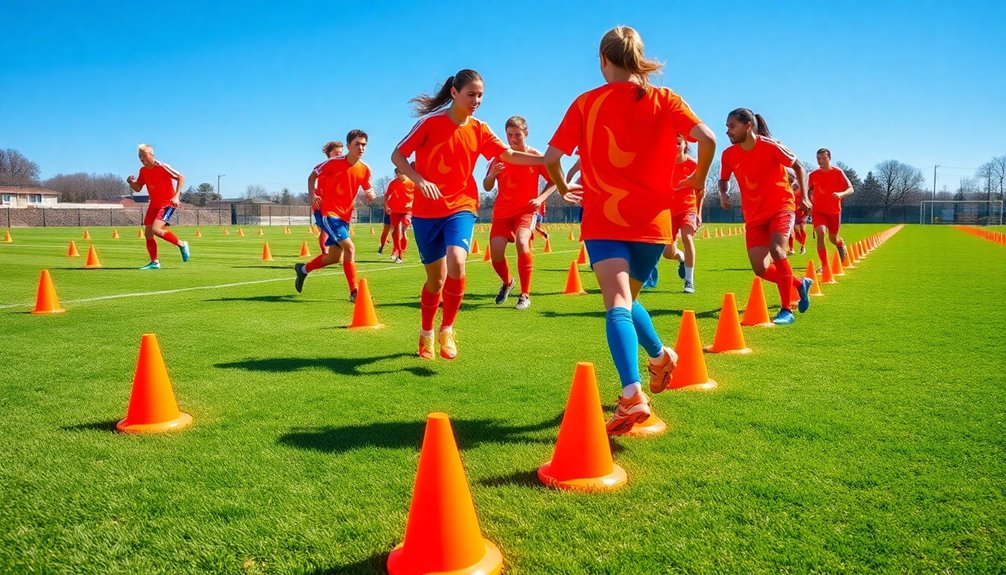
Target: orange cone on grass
(92,259)
(227,231)
(836,265)
(199,233)
(87,235)
(705,233)
(364,315)
(266,254)
(46,300)
(690,373)
(548,246)
(729,337)
(139,233)
(372,232)
(573,284)
(152,406)
(847,260)
(756,310)
(241,232)
(442,534)
(72,252)
(475,247)
(815,288)
(582,457)
(304,251)
(115,234)
(571,236)
(6,237)
(582,259)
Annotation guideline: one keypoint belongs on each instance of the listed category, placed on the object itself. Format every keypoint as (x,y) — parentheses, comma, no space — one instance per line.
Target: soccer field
(866,437)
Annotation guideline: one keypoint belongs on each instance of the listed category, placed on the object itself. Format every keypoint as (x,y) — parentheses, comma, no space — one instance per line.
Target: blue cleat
(152,266)
(298,283)
(681,269)
(184,248)
(804,289)
(784,317)
(651,281)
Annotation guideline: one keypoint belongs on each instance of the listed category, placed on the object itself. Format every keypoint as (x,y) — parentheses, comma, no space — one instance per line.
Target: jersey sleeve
(171,171)
(489,166)
(569,134)
(366,182)
(490,145)
(414,139)
(682,116)
(782,154)
(141,179)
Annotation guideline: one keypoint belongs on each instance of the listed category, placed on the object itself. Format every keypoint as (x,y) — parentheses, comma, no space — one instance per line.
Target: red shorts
(760,234)
(507,227)
(801,217)
(830,221)
(157,212)
(404,218)
(678,220)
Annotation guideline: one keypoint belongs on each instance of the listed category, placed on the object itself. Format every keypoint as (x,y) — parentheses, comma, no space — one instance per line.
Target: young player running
(799,231)
(767,203)
(446,142)
(164,199)
(828,186)
(625,132)
(399,198)
(686,210)
(331,150)
(513,213)
(339,180)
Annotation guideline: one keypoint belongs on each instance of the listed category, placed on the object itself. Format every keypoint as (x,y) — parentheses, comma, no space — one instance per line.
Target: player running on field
(828,186)
(164,199)
(399,199)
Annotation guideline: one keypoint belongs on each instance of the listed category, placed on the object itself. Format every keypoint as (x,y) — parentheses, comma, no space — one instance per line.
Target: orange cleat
(448,344)
(426,347)
(629,412)
(660,370)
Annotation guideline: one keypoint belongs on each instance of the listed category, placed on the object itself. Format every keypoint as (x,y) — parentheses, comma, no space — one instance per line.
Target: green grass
(867,437)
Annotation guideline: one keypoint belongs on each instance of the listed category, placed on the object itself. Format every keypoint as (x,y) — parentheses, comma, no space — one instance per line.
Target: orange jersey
(823,185)
(445,155)
(761,176)
(399,196)
(516,187)
(159,180)
(624,143)
(685,198)
(338,183)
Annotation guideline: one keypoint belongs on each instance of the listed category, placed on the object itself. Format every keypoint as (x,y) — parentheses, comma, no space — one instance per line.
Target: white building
(22,197)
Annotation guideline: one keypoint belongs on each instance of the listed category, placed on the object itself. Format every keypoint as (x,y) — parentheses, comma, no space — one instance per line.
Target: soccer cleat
(426,346)
(660,371)
(689,287)
(804,289)
(448,344)
(352,296)
(628,412)
(298,283)
(380,250)
(184,248)
(399,260)
(152,266)
(784,317)
(841,252)
(504,292)
(791,251)
(803,250)
(523,302)
(681,269)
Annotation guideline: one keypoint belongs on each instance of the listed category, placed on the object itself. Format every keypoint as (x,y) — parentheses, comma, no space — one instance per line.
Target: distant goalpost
(961,212)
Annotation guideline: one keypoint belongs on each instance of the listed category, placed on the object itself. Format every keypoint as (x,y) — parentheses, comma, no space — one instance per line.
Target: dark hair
(516,122)
(354,134)
(825,151)
(424,103)
(327,148)
(746,116)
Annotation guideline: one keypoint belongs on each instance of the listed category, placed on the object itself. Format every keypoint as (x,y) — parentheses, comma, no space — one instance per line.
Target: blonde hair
(623,47)
(145,148)
(328,147)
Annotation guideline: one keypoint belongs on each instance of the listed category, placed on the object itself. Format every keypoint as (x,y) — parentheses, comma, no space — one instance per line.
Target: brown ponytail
(424,103)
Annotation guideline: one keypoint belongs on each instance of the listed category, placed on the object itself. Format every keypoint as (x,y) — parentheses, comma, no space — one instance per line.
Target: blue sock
(645,332)
(622,342)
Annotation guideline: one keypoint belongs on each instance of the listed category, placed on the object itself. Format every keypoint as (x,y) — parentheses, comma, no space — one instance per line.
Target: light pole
(934,181)
(222,175)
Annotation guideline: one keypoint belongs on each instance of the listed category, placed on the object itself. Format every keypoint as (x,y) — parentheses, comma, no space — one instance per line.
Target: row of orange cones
(996,237)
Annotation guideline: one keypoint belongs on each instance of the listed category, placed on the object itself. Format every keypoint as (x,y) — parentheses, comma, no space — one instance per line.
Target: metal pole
(218,185)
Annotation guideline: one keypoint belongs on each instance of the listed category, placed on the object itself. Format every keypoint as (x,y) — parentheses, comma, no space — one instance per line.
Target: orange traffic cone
(152,407)
(304,252)
(199,233)
(372,231)
(6,237)
(488,256)
(836,265)
(72,251)
(573,285)
(815,288)
(442,534)
(46,300)
(115,234)
(241,232)
(582,258)
(266,254)
(475,247)
(571,237)
(718,234)
(548,246)
(691,369)
(756,311)
(582,457)
(92,259)
(139,233)
(87,235)
(826,277)
(847,260)
(729,337)
(227,231)
(352,232)
(363,310)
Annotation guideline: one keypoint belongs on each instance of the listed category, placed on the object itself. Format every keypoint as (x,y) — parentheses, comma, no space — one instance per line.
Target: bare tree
(17,170)
(999,173)
(899,183)
(255,191)
(993,172)
(80,187)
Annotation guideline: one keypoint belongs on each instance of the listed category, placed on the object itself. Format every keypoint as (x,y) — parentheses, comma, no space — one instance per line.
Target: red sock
(823,254)
(172,238)
(524,266)
(784,282)
(152,249)
(404,244)
(314,264)
(454,292)
(503,270)
(384,235)
(801,236)
(350,268)
(395,241)
(428,304)
(841,244)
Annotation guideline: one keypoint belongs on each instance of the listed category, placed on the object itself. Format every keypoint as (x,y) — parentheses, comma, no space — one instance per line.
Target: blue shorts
(433,235)
(387,219)
(643,258)
(317,218)
(336,229)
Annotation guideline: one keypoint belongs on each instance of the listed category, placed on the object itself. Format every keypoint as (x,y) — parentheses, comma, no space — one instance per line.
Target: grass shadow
(714,313)
(261,267)
(82,269)
(339,365)
(377,563)
(106,426)
(285,298)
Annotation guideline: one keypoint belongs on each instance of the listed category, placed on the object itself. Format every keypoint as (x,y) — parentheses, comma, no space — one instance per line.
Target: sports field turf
(867,437)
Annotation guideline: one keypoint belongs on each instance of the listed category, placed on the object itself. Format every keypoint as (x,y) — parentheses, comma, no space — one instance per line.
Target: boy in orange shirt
(398,199)
(331,150)
(164,199)
(828,186)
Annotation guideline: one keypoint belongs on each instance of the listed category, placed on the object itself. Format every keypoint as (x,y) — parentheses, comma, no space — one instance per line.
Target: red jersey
(685,198)
(338,183)
(761,176)
(399,195)
(624,142)
(823,185)
(159,180)
(516,187)
(445,155)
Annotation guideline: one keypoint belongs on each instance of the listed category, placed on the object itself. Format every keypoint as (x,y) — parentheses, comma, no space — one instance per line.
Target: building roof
(28,190)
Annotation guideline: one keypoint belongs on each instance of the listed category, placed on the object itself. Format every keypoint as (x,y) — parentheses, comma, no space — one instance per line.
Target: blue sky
(253,89)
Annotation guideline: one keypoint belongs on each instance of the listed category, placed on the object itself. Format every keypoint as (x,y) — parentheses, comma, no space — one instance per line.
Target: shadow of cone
(442,534)
(690,373)
(475,247)
(582,258)
(266,254)
(756,311)
(364,315)
(304,251)
(729,337)
(836,265)
(72,252)
(573,285)
(152,407)
(92,259)
(548,246)
(582,457)
(815,288)
(46,300)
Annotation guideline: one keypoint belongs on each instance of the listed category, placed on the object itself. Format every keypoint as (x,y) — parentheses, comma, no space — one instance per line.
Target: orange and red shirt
(823,185)
(624,142)
(516,186)
(445,155)
(338,182)
(761,177)
(159,180)
(399,196)
(685,198)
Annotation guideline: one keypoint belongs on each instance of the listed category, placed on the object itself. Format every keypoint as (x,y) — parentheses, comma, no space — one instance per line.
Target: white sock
(659,358)
(631,389)
(425,333)
(689,274)
(446,328)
